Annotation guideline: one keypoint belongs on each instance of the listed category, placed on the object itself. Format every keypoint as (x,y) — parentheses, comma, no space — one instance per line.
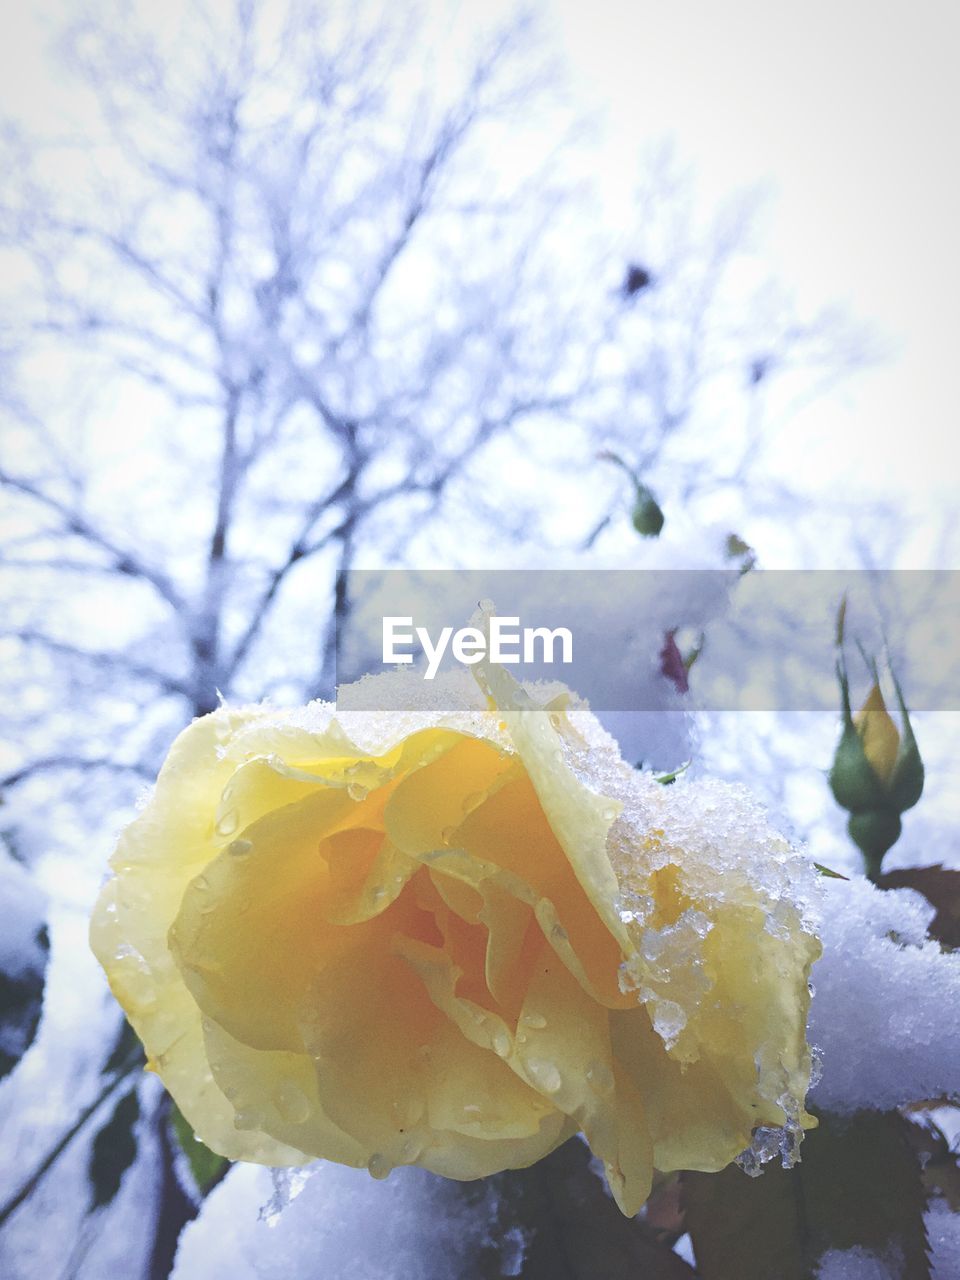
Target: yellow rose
(456,939)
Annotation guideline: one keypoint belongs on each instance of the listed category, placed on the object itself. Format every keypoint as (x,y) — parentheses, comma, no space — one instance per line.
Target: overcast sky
(845,112)
(848,111)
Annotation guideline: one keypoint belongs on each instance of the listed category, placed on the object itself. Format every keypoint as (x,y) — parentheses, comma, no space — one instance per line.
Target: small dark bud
(759,370)
(647,516)
(672,664)
(636,280)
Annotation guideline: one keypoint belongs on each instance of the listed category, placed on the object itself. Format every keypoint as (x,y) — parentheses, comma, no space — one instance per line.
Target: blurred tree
(294,292)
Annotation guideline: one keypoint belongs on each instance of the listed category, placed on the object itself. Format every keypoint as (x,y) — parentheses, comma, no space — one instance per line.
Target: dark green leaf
(667,778)
(831,875)
(206,1167)
(21,1001)
(573,1229)
(859,1184)
(113,1151)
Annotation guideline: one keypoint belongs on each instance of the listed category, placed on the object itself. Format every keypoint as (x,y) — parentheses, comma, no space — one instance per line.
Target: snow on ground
(886,1013)
(413,1226)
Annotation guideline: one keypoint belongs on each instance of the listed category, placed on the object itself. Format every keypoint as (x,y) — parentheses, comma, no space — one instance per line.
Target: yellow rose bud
(877,774)
(454,940)
(878,734)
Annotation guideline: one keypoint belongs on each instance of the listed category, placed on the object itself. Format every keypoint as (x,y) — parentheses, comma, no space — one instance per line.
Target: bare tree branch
(47,764)
(106,659)
(125,561)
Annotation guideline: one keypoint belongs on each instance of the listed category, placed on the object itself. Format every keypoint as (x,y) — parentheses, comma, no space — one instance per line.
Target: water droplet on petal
(409,1110)
(600,1077)
(206,903)
(356,792)
(535,1020)
(227,824)
(545,1075)
(501,1044)
(239,848)
(292,1103)
(378,1166)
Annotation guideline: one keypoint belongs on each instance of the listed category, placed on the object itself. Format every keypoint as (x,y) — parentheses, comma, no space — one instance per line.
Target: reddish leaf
(663,1212)
(859,1184)
(672,665)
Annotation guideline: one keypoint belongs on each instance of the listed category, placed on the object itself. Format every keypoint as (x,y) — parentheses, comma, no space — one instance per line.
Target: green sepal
(905,786)
(854,783)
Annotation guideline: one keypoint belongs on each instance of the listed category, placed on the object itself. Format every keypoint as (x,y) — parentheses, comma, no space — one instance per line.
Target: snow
(886,1013)
(411,1226)
(857,1264)
(943,1236)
